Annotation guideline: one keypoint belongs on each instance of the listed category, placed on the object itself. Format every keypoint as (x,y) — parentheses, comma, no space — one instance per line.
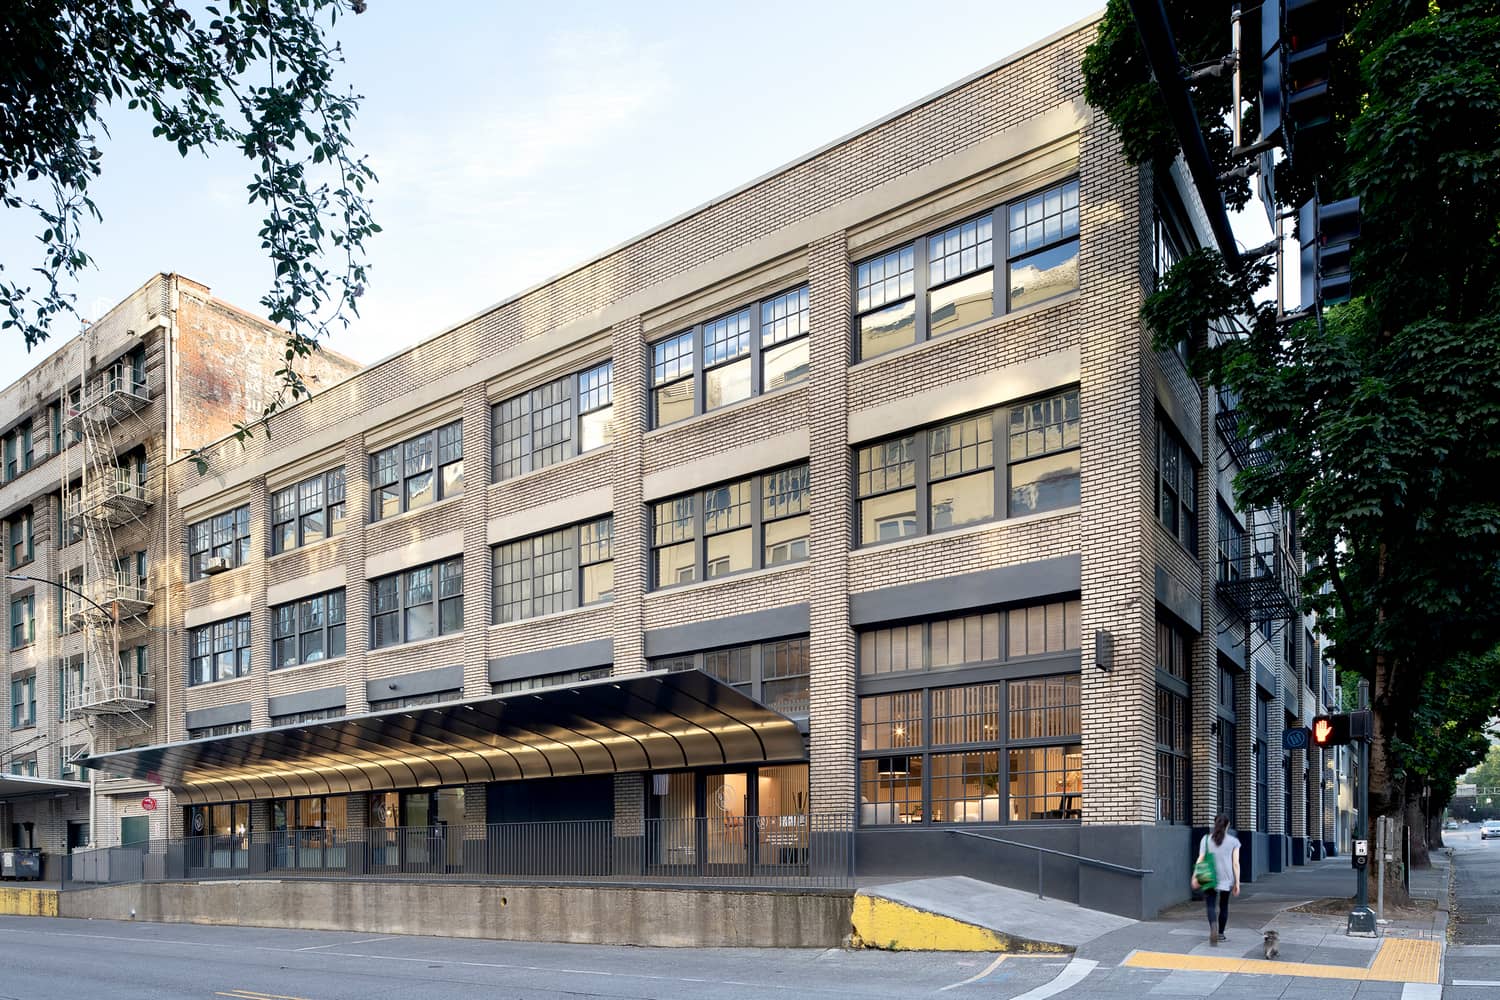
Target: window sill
(277,556)
(23,647)
(972,529)
(408,514)
(283,671)
(603,449)
(720,411)
(213,576)
(962,333)
(226,681)
(754,574)
(420,643)
(551,616)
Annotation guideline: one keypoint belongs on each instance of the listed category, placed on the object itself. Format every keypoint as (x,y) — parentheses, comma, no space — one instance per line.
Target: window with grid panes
(1173,776)
(756,348)
(885,292)
(947,476)
(1262,777)
(219,651)
(555,571)
(69,684)
(417,472)
(774,673)
(11,468)
(960,275)
(307,630)
(24,767)
(971,639)
(223,536)
(1231,546)
(1043,245)
(22,621)
(135,668)
(28,451)
(1176,487)
(550,680)
(731,528)
(1171,650)
(22,538)
(418,603)
(308,511)
(23,702)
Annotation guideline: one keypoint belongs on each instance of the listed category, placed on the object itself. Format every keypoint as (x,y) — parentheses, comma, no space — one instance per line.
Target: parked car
(1491,828)
(1452,824)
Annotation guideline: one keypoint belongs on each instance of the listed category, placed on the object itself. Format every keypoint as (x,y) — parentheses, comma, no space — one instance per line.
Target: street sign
(1361,857)
(148,804)
(1294,738)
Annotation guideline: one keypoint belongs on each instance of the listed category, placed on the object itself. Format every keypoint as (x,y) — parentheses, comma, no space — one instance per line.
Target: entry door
(135,830)
(78,835)
(727,808)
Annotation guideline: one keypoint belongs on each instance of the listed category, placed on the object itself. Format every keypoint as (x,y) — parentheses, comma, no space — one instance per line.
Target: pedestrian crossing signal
(1331,731)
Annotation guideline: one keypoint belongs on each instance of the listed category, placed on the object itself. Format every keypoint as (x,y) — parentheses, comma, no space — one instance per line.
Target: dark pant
(1220,901)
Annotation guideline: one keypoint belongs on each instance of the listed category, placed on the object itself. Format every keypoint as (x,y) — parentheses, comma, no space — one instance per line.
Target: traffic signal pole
(1362,918)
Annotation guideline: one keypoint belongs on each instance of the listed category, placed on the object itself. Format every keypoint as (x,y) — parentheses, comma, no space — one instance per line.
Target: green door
(134,830)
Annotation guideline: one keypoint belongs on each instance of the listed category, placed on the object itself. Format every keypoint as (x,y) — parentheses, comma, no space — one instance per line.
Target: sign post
(1362,918)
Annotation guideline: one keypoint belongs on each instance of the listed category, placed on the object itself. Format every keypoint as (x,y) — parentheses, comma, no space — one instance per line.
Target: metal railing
(1043,852)
(121,696)
(815,851)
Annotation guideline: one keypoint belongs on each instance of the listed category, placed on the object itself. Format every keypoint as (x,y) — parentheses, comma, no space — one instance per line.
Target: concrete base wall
(674,918)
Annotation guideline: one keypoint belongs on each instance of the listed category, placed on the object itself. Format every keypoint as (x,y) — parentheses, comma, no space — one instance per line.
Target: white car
(1490,828)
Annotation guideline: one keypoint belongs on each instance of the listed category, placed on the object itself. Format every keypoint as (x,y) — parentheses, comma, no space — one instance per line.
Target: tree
(257,75)
(1487,773)
(1383,416)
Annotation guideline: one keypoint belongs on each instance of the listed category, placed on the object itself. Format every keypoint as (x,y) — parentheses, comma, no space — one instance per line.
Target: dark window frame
(919,444)
(399,473)
(871,642)
(225,534)
(440,575)
(207,643)
(665,370)
(581,395)
(295,614)
(759,661)
(22,620)
(290,511)
(1177,483)
(22,538)
(578,553)
(23,702)
(697,529)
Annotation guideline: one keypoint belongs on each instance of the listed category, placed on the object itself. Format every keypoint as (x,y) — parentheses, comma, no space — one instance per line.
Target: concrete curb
(889,925)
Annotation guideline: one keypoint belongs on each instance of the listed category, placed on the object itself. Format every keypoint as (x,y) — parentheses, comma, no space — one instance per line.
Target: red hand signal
(1322,730)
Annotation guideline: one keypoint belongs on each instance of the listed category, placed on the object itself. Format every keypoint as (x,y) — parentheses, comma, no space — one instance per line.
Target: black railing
(1043,852)
(1257,577)
(1250,453)
(815,851)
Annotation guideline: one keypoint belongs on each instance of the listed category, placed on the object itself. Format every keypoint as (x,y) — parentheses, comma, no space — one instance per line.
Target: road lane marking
(974,979)
(253,995)
(1072,974)
(336,944)
(1421,991)
(1475,982)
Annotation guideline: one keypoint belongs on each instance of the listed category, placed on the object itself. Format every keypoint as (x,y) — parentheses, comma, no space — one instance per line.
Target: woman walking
(1224,848)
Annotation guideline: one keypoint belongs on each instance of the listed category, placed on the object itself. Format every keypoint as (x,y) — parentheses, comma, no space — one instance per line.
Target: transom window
(308,630)
(220,651)
(994,752)
(311,510)
(1176,487)
(948,476)
(774,673)
(948,280)
(224,536)
(556,571)
(553,422)
(972,639)
(757,348)
(417,472)
(731,528)
(418,604)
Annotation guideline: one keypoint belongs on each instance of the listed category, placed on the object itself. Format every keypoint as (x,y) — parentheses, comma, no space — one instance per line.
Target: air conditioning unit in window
(218,564)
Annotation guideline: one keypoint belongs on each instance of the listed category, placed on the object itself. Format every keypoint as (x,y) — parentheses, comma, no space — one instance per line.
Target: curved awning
(16,786)
(641,722)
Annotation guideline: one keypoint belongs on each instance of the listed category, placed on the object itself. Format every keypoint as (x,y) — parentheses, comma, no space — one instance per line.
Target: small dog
(1273,944)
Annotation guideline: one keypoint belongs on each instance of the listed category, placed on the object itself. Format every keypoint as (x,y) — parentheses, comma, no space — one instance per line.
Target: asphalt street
(1472,969)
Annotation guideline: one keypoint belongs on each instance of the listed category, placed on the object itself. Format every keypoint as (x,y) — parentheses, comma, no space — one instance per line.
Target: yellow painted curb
(28,902)
(1399,960)
(892,926)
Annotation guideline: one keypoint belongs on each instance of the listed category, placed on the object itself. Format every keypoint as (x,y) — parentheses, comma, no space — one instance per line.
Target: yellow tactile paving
(1399,960)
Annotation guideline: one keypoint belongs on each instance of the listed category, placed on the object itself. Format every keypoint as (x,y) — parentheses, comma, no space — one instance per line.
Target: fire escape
(111,495)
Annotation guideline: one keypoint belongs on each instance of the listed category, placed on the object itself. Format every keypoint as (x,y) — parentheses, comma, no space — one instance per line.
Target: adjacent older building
(856,501)
(88,436)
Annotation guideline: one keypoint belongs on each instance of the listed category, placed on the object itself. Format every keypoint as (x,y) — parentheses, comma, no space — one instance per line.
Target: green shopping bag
(1204,872)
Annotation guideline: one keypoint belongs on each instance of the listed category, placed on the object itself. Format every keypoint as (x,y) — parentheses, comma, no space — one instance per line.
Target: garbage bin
(21,863)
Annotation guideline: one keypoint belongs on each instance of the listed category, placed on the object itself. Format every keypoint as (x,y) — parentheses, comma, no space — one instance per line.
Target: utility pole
(1362,918)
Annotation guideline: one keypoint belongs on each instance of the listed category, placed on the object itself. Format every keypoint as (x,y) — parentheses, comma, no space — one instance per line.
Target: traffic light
(1327,234)
(1297,41)
(1331,731)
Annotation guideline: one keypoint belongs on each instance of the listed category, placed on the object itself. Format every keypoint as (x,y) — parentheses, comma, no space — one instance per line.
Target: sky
(514,141)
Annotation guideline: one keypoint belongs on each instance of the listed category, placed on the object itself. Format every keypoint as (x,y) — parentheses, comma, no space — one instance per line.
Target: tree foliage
(1383,417)
(255,75)
(1487,773)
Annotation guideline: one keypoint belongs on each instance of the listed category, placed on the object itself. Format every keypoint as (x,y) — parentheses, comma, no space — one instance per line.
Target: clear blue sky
(514,141)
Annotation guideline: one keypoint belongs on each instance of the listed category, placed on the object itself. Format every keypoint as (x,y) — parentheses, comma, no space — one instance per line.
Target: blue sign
(1294,738)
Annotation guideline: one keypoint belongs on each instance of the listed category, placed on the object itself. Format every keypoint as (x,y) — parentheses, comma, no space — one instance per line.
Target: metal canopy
(15,786)
(641,722)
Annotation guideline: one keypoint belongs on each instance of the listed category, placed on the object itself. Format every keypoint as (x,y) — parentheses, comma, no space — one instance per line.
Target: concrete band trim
(772,623)
(1003,585)
(307,701)
(219,715)
(1178,600)
(421,682)
(556,660)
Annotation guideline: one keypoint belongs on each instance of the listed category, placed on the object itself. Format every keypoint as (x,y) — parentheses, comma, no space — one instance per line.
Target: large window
(757,348)
(418,604)
(23,621)
(220,651)
(553,422)
(556,571)
(415,473)
(1173,774)
(1176,487)
(947,280)
(1228,746)
(1231,546)
(308,630)
(69,685)
(971,640)
(731,528)
(774,673)
(22,538)
(1262,764)
(23,702)
(221,540)
(993,752)
(948,476)
(307,512)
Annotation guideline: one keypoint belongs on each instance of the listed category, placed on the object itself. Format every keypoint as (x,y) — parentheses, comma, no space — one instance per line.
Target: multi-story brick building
(877,441)
(88,436)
